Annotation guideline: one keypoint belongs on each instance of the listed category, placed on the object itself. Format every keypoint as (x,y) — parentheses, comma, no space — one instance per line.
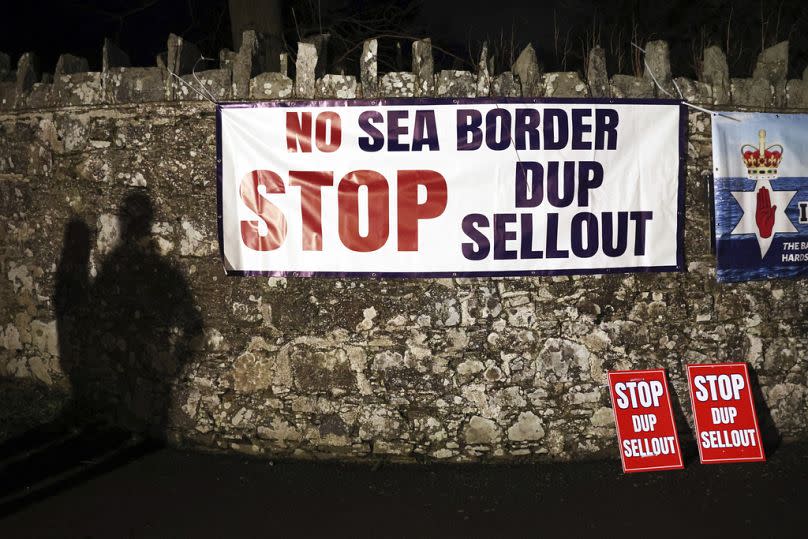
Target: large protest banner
(450,187)
(761,195)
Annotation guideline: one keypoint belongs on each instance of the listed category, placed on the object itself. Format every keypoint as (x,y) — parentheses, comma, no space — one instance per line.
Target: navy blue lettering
(552,238)
(425,132)
(469,121)
(556,131)
(502,235)
(536,173)
(526,251)
(585,183)
(504,131)
(577,244)
(375,141)
(483,246)
(640,217)
(606,121)
(395,130)
(527,125)
(579,128)
(609,247)
(554,196)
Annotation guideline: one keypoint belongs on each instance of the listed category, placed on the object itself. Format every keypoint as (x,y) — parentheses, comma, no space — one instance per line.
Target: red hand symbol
(764,213)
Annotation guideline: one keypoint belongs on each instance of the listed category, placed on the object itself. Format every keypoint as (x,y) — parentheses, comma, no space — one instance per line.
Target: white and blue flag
(761,195)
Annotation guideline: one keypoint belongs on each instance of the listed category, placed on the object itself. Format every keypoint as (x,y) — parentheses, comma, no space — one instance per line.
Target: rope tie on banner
(681,97)
(203,92)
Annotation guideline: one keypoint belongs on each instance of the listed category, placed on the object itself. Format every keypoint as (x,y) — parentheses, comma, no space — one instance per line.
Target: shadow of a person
(126,335)
(92,380)
(123,339)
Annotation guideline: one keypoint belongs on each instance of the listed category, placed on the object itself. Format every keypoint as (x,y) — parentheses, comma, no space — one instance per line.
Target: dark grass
(25,404)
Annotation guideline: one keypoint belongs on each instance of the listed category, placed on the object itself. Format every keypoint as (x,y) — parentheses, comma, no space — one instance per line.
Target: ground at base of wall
(26,404)
(166,492)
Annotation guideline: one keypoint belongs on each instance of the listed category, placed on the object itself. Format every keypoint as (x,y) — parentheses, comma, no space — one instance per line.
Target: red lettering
(378,210)
(311,204)
(410,212)
(298,131)
(270,214)
(324,121)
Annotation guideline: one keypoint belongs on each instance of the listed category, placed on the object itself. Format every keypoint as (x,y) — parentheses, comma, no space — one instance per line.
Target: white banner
(450,187)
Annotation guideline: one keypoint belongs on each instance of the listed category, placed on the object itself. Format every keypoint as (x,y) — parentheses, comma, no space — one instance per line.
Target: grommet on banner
(681,97)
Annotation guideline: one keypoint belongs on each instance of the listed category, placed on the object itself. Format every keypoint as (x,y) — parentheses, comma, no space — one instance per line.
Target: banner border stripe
(682,215)
(408,101)
(444,274)
(219,185)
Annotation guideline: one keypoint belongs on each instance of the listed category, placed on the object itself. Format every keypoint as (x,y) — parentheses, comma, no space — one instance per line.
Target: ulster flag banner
(450,187)
(761,195)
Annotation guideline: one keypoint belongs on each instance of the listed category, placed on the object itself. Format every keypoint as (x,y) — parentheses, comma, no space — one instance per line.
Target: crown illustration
(762,162)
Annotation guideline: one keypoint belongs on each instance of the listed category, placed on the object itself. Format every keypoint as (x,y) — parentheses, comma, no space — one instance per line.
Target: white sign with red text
(444,187)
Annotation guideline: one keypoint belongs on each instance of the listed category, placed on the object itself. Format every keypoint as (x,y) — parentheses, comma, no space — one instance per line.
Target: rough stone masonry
(450,369)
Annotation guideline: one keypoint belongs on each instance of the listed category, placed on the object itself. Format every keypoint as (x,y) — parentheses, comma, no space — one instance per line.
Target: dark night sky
(560,31)
(80,26)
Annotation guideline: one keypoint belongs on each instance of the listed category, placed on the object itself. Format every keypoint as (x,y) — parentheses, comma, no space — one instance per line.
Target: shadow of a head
(136,214)
(76,246)
(72,271)
(72,275)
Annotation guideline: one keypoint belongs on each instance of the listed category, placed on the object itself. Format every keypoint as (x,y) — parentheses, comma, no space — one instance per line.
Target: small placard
(724,413)
(646,428)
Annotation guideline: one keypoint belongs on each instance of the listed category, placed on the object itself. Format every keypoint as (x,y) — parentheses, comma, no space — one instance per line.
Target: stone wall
(453,369)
